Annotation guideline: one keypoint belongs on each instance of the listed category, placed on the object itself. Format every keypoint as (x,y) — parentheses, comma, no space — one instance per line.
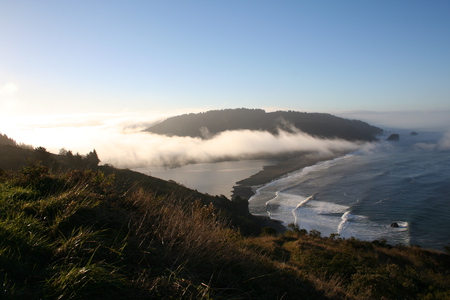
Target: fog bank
(144,149)
(120,141)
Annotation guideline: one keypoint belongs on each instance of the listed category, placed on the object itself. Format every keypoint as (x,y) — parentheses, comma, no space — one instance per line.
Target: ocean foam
(319,215)
(331,218)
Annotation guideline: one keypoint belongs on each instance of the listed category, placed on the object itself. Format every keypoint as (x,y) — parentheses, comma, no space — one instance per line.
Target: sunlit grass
(77,236)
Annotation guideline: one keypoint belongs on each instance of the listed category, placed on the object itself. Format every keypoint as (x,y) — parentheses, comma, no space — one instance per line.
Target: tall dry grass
(76,236)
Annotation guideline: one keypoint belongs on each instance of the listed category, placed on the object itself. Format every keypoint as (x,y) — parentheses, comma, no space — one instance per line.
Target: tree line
(7,141)
(66,159)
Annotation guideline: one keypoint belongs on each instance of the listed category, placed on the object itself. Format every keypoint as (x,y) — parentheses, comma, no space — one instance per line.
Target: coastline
(246,188)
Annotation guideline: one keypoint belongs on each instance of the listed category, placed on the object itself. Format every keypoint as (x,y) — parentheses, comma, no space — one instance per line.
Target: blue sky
(116,57)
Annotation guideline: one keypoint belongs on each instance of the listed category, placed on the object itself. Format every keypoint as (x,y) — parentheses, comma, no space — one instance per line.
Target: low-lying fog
(119,140)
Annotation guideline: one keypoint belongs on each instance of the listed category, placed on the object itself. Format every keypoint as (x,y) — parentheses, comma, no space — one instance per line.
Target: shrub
(315,233)
(268,231)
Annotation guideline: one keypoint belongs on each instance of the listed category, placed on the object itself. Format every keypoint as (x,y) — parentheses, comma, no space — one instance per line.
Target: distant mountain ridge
(212,122)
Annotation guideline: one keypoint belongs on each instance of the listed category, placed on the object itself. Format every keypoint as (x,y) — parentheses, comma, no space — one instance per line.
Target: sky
(81,64)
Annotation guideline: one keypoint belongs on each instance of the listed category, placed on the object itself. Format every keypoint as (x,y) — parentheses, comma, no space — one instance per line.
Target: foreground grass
(78,236)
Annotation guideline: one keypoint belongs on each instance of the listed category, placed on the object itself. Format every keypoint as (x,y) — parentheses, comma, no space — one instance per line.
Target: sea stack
(393,137)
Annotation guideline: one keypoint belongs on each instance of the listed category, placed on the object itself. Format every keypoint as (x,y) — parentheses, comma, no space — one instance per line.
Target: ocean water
(363,193)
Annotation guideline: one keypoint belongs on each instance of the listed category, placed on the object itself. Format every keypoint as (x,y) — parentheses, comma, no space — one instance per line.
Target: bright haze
(90,74)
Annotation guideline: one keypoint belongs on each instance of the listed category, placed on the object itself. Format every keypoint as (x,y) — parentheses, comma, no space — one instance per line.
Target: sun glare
(76,132)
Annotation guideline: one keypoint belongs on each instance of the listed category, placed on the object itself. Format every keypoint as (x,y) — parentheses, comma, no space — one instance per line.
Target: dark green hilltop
(212,122)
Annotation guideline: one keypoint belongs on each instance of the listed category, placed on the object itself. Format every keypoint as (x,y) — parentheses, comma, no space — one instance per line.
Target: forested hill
(209,123)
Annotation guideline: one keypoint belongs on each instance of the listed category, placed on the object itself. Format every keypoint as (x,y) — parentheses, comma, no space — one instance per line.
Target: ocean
(365,194)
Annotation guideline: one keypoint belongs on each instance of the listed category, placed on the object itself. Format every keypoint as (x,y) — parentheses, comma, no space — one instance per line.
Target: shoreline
(245,188)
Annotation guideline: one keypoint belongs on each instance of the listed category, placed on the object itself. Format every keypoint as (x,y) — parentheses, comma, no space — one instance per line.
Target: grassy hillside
(209,123)
(91,235)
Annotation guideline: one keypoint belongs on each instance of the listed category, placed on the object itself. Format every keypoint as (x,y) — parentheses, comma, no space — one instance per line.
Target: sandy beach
(290,163)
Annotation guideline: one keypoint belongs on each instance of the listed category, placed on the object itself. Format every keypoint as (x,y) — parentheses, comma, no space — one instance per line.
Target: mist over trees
(66,160)
(7,141)
(210,123)
(77,161)
(14,156)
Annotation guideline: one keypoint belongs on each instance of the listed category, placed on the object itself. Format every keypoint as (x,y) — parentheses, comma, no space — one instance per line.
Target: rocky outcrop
(393,137)
(414,133)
